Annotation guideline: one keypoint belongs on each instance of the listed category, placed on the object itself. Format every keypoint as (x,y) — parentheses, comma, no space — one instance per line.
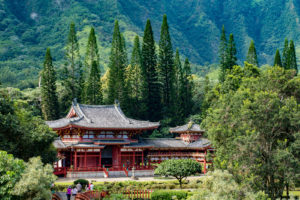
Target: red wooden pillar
(149,161)
(142,157)
(75,161)
(133,158)
(115,155)
(204,171)
(85,158)
(71,158)
(100,159)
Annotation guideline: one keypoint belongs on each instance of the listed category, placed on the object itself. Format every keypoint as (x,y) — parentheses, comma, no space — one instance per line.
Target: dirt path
(61,180)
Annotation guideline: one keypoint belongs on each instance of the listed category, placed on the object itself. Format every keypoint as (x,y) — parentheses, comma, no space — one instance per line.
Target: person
(87,187)
(74,192)
(79,187)
(91,186)
(52,188)
(69,191)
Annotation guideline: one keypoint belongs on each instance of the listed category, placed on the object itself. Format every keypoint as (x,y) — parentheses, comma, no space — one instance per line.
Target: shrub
(83,182)
(115,197)
(168,195)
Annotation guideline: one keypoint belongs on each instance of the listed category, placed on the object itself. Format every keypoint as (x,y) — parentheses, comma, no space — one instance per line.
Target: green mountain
(27,27)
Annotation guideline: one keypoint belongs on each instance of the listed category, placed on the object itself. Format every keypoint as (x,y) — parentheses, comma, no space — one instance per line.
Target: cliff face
(27,27)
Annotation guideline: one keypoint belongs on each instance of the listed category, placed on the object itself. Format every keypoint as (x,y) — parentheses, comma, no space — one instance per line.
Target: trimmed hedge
(168,194)
(83,182)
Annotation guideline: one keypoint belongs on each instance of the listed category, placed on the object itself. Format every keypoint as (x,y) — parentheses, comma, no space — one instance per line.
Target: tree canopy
(180,169)
(252,123)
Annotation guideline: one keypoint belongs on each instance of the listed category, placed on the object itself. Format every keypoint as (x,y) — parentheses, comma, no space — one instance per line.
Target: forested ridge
(249,110)
(28,27)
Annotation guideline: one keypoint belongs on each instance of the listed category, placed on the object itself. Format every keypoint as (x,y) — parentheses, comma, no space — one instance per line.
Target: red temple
(100,141)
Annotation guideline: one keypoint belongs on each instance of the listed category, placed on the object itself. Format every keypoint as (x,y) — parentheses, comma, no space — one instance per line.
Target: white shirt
(74,191)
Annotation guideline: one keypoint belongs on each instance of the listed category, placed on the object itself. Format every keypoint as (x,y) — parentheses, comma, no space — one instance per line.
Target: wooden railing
(56,197)
(106,172)
(94,194)
(60,171)
(126,171)
(141,194)
(82,196)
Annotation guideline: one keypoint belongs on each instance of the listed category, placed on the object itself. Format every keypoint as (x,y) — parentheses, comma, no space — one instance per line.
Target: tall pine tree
(117,65)
(222,55)
(277,59)
(187,88)
(292,60)
(134,80)
(166,69)
(285,54)
(151,87)
(92,53)
(231,53)
(251,56)
(48,91)
(72,81)
(179,106)
(94,88)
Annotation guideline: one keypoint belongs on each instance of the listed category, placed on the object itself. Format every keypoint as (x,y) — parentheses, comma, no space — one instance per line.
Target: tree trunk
(180,183)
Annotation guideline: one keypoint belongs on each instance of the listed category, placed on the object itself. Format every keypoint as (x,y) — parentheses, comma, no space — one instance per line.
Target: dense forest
(28,27)
(249,109)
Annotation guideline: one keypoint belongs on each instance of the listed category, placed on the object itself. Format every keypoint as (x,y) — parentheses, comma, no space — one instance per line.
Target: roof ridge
(120,112)
(97,106)
(82,113)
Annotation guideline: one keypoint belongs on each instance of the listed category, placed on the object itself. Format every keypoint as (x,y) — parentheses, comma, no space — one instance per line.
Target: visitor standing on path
(79,187)
(69,191)
(91,186)
(74,192)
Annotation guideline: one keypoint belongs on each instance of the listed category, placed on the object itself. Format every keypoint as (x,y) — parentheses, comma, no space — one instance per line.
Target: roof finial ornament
(190,124)
(117,103)
(75,101)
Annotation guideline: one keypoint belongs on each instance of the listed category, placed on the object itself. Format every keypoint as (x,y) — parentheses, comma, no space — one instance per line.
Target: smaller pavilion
(189,144)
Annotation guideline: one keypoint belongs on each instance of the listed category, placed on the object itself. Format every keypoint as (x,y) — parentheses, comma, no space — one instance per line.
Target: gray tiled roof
(102,117)
(163,143)
(58,144)
(177,143)
(192,127)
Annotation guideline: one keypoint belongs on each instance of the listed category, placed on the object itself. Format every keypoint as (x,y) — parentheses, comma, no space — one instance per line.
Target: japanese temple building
(100,141)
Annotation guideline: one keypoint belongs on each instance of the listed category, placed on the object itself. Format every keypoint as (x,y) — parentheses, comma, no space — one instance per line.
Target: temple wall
(85,174)
(138,173)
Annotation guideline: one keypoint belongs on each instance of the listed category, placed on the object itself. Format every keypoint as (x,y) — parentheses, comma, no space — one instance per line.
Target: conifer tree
(94,88)
(231,53)
(117,65)
(292,60)
(187,87)
(48,91)
(277,59)
(166,69)
(285,54)
(72,81)
(134,80)
(251,56)
(124,48)
(151,87)
(179,108)
(91,54)
(222,55)
(178,73)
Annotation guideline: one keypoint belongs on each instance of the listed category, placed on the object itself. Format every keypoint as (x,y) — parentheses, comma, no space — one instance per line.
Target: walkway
(61,180)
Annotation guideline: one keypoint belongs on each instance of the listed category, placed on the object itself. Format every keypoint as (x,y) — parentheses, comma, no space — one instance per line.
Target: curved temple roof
(191,127)
(106,117)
